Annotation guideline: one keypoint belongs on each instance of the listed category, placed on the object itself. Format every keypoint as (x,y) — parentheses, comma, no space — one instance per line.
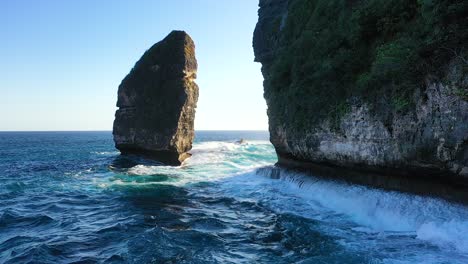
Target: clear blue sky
(62,61)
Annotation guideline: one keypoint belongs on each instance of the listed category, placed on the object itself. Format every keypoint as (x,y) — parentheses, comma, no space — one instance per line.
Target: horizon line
(253,130)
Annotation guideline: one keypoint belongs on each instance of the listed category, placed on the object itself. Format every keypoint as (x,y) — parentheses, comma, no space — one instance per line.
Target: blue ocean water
(68,197)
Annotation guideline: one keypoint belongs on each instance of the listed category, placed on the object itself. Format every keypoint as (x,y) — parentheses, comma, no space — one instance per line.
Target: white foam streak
(106,153)
(451,233)
(430,219)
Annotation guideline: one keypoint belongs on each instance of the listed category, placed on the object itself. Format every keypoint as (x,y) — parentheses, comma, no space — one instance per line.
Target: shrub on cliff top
(336,49)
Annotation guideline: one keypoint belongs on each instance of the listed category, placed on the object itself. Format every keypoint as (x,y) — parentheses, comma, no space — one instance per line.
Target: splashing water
(69,197)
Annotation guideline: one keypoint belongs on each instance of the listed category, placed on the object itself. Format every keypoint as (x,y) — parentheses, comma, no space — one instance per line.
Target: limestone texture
(157,102)
(429,140)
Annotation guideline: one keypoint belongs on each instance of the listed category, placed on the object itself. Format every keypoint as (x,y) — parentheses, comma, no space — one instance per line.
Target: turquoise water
(68,197)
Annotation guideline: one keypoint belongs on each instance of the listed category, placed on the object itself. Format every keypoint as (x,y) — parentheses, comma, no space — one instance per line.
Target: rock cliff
(377,86)
(157,102)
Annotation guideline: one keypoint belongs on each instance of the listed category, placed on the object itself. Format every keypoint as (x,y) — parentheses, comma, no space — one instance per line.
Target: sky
(62,61)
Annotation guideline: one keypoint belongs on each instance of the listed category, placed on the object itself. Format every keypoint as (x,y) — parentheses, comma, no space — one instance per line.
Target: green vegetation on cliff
(378,50)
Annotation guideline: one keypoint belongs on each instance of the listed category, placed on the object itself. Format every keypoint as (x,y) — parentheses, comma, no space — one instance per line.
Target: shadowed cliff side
(377,86)
(157,102)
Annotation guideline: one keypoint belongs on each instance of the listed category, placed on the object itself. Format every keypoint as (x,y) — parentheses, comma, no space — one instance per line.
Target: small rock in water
(241,141)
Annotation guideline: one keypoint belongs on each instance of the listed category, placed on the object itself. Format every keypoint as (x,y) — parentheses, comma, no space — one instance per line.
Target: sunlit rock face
(157,102)
(429,139)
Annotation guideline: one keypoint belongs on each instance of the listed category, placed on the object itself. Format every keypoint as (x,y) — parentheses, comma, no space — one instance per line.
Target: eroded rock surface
(430,139)
(157,102)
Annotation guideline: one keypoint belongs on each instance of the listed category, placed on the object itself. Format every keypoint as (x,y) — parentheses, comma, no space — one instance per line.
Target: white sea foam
(427,219)
(150,170)
(106,153)
(210,161)
(229,154)
(367,211)
(452,233)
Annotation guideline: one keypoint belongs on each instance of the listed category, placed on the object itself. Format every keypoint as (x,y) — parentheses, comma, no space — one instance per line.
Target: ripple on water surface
(69,197)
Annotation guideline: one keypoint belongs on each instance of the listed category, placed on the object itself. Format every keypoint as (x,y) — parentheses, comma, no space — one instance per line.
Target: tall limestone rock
(157,102)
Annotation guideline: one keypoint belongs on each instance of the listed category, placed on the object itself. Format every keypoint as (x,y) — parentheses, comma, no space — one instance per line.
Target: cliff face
(157,102)
(358,84)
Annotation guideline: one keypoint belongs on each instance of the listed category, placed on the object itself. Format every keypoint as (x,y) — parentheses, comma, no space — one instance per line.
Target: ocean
(69,197)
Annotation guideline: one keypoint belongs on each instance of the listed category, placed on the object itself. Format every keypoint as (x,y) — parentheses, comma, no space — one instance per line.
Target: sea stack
(157,102)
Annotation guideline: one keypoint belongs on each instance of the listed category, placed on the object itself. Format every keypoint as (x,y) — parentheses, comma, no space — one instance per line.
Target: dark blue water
(68,197)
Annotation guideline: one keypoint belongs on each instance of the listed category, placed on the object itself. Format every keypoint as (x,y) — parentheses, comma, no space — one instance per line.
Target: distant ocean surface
(68,197)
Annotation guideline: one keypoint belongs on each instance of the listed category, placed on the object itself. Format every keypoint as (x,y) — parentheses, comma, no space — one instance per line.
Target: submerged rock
(241,141)
(320,113)
(157,102)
